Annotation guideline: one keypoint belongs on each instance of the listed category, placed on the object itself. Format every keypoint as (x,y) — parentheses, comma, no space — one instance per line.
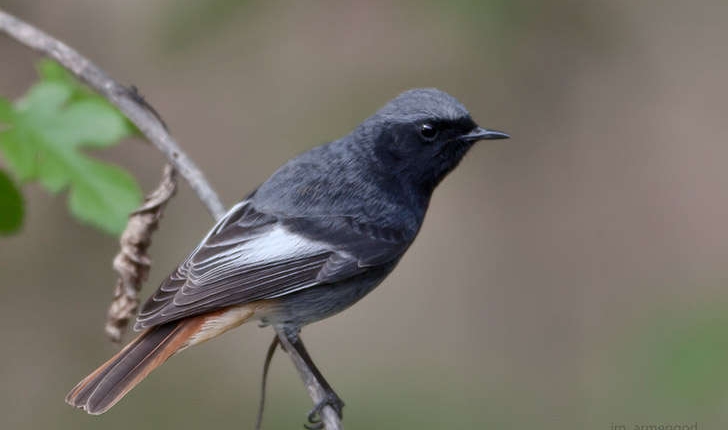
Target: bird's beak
(479,133)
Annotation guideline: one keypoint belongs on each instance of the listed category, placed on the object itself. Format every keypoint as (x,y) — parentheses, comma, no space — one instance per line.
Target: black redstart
(312,240)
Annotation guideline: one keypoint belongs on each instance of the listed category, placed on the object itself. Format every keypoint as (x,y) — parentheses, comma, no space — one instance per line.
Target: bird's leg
(266,366)
(331,398)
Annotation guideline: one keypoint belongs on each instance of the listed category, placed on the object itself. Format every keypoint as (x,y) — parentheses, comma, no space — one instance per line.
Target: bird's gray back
(341,178)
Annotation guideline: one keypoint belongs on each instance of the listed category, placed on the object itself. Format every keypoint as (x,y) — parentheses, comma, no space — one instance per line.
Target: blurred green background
(571,277)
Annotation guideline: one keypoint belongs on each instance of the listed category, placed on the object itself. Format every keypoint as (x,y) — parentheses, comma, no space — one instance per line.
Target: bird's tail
(100,390)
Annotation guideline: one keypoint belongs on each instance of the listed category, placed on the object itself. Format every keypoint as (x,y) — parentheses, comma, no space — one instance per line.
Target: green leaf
(92,123)
(106,198)
(42,137)
(19,156)
(49,70)
(11,205)
(6,112)
(43,99)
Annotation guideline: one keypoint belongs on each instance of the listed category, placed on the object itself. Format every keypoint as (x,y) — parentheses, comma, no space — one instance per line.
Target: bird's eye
(428,131)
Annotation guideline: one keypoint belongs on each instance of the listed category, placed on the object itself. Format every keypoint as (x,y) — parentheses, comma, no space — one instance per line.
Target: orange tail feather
(100,390)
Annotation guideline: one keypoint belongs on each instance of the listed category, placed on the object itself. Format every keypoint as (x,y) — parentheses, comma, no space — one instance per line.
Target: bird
(318,235)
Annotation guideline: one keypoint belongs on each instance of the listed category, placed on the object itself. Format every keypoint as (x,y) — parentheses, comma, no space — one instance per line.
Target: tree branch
(147,121)
(317,393)
(127,100)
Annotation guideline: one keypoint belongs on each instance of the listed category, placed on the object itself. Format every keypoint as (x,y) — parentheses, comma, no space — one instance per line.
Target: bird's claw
(314,417)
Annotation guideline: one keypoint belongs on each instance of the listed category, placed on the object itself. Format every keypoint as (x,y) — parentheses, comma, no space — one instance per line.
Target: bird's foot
(314,417)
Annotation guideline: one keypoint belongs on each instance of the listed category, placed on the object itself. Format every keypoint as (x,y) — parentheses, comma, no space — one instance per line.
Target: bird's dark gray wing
(251,256)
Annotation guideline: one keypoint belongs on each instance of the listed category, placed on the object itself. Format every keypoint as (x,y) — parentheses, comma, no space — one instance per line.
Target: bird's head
(422,134)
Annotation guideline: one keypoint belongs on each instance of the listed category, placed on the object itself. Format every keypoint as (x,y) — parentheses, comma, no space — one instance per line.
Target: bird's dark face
(423,134)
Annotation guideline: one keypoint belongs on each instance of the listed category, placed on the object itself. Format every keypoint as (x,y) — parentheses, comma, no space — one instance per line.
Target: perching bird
(312,240)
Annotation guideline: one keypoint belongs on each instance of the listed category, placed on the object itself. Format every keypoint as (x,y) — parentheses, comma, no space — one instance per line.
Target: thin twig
(317,393)
(264,380)
(122,97)
(147,122)
(132,263)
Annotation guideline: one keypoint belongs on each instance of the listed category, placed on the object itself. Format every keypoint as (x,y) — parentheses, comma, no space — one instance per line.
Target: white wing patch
(278,244)
(275,245)
(248,256)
